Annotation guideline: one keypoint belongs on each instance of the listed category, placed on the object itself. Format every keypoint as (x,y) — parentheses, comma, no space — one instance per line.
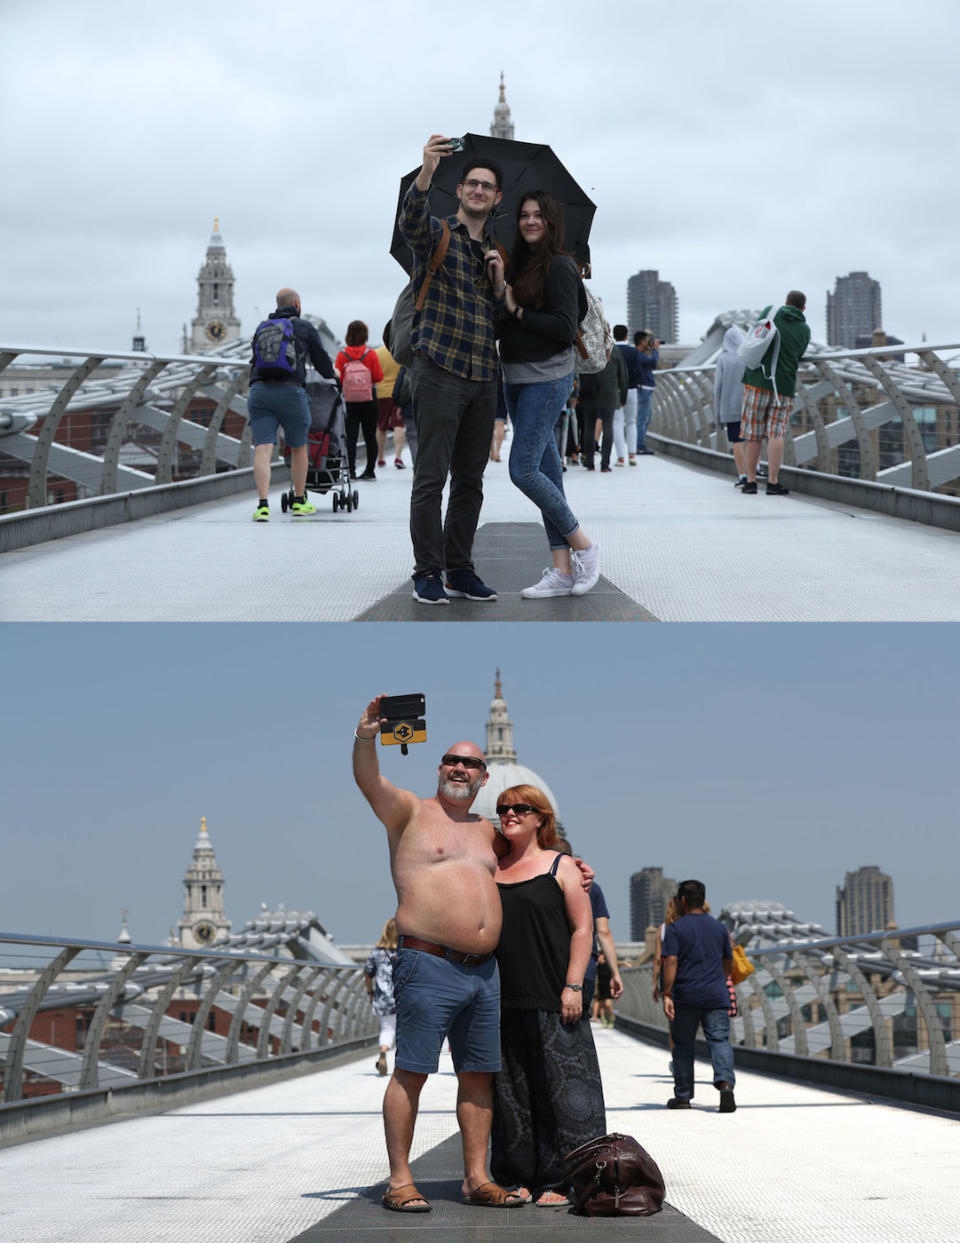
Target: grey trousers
(454,419)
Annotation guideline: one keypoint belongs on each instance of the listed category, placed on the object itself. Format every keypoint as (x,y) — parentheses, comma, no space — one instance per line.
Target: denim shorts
(285,405)
(438,999)
(733,432)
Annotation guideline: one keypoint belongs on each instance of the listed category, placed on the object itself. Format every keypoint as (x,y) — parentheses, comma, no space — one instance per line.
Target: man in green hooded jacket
(766,409)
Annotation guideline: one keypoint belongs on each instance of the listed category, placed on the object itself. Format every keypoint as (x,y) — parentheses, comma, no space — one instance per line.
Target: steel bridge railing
(857,413)
(81,1015)
(890,999)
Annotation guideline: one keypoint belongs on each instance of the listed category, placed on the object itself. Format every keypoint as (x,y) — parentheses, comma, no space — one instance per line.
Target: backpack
(755,344)
(275,349)
(400,344)
(356,379)
(401,389)
(593,341)
(613,1176)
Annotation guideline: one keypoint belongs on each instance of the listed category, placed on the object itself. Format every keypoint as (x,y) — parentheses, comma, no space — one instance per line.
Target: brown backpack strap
(436,259)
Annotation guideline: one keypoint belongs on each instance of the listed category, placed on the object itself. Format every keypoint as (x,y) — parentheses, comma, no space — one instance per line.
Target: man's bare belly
(455,903)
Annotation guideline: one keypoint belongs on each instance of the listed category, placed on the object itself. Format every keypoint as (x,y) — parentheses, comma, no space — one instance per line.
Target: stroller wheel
(356,500)
(349,503)
(336,501)
(284,502)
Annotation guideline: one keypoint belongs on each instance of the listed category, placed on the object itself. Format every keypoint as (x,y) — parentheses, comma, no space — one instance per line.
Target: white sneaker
(586,569)
(553,583)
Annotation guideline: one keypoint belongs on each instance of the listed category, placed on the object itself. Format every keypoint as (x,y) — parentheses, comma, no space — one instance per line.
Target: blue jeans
(716,1032)
(535,465)
(644,400)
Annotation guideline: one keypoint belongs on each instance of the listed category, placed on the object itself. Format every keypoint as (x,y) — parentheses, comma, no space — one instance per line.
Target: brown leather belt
(441,951)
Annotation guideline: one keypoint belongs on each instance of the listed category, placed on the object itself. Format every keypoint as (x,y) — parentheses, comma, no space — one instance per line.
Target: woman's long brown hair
(528,266)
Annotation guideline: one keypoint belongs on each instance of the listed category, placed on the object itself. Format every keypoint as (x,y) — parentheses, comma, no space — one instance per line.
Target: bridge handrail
(845,434)
(891,998)
(135,994)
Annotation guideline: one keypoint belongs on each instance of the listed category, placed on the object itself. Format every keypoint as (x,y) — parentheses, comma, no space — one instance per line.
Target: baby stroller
(327,461)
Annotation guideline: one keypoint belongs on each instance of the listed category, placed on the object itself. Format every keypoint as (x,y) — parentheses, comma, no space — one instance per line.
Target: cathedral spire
(502,126)
(216,321)
(499,728)
(203,917)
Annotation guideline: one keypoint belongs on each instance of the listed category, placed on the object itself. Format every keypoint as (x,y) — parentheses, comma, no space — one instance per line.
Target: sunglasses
(468,761)
(521,809)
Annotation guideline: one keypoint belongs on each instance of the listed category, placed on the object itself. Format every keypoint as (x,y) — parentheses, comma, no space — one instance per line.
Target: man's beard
(459,792)
(478,213)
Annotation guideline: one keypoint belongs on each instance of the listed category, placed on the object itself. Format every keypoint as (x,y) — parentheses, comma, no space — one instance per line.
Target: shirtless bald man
(446,981)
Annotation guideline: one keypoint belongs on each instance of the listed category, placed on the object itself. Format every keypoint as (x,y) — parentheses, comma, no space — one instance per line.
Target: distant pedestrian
(631,356)
(278,398)
(697,960)
(389,418)
(649,348)
(545,301)
(360,373)
(379,976)
(603,947)
(766,415)
(600,396)
(728,397)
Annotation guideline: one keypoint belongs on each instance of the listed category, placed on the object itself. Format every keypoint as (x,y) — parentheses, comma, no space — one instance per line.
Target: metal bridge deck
(304,1159)
(680,544)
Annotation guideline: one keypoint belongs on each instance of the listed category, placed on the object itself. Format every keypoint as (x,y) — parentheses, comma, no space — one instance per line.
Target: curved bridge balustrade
(889,999)
(863,414)
(84,1015)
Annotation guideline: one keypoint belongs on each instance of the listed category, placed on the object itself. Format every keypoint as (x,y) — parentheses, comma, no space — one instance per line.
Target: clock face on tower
(204,932)
(216,330)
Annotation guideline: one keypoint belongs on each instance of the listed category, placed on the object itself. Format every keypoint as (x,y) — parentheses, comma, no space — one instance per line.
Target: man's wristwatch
(577,988)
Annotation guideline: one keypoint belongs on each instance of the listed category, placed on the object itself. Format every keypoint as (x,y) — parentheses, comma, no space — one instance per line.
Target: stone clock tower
(203,919)
(215,321)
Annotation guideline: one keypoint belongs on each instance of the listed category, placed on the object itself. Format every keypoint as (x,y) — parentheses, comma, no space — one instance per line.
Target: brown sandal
(399,1199)
(492,1196)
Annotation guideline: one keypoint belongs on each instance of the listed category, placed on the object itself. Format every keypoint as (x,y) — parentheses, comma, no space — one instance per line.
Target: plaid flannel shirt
(456,325)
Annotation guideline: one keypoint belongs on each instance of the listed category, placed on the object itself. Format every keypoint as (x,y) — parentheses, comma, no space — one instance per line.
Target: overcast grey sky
(767,760)
(738,162)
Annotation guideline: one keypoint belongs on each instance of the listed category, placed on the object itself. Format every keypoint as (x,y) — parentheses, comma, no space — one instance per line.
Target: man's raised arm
(392,806)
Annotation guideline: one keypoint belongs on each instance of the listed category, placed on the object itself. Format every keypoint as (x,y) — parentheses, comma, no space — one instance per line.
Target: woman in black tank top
(548,1098)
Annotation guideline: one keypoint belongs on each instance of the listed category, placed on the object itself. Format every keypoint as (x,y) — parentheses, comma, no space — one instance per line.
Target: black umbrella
(526,166)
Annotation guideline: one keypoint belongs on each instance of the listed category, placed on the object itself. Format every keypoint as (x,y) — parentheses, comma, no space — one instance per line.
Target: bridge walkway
(680,544)
(304,1160)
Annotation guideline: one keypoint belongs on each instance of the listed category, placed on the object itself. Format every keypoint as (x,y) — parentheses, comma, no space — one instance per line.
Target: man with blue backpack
(769,386)
(278,397)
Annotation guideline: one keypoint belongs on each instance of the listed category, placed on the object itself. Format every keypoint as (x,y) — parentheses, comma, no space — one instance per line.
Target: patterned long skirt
(547,1098)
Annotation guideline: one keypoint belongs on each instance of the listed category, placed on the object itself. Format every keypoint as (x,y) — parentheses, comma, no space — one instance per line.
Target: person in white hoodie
(728,397)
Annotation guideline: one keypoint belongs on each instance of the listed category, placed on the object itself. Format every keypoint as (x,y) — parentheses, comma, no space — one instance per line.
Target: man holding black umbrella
(454,374)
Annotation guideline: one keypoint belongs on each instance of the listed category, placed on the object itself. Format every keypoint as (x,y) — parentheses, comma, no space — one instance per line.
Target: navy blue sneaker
(466,585)
(428,589)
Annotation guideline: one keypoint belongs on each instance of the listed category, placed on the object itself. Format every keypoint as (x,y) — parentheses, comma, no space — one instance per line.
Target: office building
(853,310)
(652,306)
(650,891)
(865,902)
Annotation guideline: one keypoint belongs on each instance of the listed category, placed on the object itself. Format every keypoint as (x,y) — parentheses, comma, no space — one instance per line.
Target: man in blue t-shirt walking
(697,959)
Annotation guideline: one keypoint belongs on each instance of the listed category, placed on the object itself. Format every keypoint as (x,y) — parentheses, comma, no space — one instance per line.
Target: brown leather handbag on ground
(613,1176)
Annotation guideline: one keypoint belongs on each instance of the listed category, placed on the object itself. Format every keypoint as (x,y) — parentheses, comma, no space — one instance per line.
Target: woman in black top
(543,302)
(548,1098)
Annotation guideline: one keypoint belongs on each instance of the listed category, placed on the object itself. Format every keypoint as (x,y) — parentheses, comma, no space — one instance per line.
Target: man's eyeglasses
(487,187)
(521,809)
(468,761)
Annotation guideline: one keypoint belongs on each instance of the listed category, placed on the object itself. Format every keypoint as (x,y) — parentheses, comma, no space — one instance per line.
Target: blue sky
(767,760)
